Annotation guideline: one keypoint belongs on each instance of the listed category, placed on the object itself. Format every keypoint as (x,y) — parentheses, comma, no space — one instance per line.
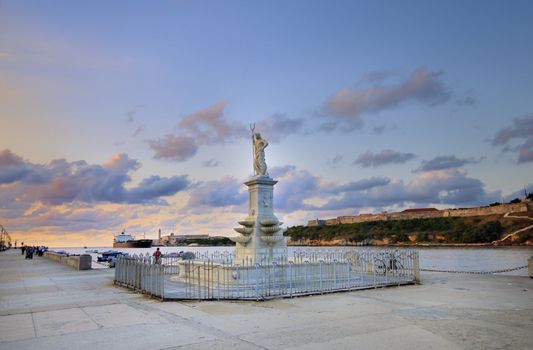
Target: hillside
(452,230)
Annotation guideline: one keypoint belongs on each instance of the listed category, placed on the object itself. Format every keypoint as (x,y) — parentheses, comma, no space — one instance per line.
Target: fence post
(117,270)
(416,268)
(290,278)
(335,274)
(374,272)
(162,276)
(199,284)
(320,273)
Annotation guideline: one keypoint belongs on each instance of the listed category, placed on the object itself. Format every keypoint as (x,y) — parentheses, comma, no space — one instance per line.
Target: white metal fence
(219,276)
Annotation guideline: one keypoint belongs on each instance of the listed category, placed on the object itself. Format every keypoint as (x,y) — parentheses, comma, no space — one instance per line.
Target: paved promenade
(45,305)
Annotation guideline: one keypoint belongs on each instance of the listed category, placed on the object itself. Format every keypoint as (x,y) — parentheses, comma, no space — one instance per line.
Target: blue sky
(135,115)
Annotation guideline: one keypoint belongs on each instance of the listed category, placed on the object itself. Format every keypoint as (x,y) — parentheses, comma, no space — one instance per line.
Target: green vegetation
(436,230)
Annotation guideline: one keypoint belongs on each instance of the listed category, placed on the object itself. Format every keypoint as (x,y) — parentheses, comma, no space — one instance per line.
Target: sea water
(481,259)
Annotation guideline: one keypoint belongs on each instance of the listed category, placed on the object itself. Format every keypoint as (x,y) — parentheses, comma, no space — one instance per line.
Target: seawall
(79,262)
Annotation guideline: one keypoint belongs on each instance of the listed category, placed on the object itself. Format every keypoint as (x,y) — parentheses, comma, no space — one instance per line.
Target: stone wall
(415,215)
(497,209)
(79,262)
(362,218)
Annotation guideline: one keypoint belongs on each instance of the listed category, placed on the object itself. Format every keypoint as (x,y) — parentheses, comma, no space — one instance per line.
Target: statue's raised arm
(259,145)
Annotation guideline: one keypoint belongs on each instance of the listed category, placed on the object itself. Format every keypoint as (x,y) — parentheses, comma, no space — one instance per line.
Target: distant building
(173,239)
(316,222)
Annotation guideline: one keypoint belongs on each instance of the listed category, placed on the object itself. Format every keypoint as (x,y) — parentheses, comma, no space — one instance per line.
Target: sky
(136,115)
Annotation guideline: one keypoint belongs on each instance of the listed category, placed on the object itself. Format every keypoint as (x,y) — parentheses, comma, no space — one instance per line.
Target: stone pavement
(45,305)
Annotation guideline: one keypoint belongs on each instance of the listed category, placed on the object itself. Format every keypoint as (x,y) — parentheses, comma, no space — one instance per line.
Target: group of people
(30,250)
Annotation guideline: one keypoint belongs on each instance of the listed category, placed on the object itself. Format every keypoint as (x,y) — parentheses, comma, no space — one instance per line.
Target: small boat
(110,255)
(183,255)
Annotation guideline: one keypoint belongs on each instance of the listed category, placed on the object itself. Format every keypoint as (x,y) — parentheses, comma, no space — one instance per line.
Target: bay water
(480,259)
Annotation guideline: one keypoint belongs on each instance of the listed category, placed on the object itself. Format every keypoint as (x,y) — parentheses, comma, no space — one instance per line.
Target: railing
(220,276)
(140,273)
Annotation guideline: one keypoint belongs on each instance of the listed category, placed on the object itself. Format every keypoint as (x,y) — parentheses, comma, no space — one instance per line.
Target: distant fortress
(422,213)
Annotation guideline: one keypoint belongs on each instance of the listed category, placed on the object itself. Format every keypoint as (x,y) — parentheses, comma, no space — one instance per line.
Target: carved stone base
(262,226)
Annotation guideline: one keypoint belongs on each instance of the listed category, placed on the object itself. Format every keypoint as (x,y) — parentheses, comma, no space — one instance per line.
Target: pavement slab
(16,327)
(407,337)
(62,322)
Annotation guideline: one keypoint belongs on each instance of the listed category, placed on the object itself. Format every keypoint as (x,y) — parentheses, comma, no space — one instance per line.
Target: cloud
(335,161)
(295,187)
(154,187)
(139,130)
(13,168)
(227,191)
(445,162)
(446,186)
(279,171)
(209,126)
(522,128)
(525,151)
(468,101)
(175,148)
(520,192)
(94,199)
(211,163)
(451,187)
(364,184)
(204,127)
(378,76)
(335,125)
(278,126)
(301,190)
(349,103)
(520,132)
(120,162)
(60,181)
(386,156)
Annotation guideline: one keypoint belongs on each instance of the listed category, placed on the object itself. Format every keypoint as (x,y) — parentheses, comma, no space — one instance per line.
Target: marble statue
(259,145)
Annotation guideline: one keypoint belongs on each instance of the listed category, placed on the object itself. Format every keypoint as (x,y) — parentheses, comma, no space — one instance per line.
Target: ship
(124,240)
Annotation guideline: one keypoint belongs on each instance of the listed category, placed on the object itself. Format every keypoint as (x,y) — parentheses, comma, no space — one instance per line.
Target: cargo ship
(124,240)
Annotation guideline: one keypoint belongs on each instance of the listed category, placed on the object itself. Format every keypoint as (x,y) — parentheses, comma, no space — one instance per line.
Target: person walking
(29,252)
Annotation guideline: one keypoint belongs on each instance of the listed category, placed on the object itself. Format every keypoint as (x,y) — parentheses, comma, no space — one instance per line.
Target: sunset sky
(135,115)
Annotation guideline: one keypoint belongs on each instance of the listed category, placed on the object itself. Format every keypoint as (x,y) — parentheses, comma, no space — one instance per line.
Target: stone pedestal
(261,240)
